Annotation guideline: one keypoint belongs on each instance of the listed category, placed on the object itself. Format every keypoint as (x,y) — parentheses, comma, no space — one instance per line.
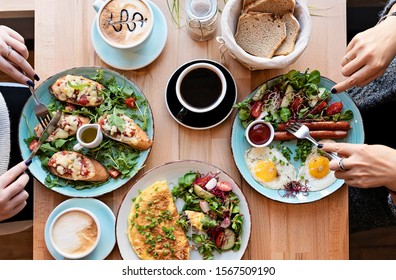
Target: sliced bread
(276,7)
(260,34)
(292,29)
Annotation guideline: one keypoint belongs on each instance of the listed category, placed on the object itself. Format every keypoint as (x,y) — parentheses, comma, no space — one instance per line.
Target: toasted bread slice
(77,167)
(276,7)
(78,90)
(123,129)
(292,29)
(260,34)
(67,126)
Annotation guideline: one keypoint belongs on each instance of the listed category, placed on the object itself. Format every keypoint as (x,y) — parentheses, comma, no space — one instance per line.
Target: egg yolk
(265,170)
(319,167)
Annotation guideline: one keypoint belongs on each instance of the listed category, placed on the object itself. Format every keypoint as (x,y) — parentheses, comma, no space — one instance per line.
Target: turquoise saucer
(132,60)
(106,220)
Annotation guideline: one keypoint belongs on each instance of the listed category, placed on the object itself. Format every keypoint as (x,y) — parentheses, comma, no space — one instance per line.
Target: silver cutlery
(301,131)
(40,110)
(47,132)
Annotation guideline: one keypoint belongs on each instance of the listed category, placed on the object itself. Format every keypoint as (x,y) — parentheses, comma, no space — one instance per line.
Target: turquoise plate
(129,59)
(107,223)
(239,145)
(28,121)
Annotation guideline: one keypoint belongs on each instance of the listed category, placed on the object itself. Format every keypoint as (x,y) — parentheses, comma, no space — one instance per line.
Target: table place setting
(164,159)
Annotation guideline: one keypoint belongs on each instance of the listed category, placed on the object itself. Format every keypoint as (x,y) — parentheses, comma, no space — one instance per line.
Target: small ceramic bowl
(259,133)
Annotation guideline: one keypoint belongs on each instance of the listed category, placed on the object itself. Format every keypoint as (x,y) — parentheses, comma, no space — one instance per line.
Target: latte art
(125,22)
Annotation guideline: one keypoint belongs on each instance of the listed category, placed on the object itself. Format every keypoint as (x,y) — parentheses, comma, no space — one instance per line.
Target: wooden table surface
(317,230)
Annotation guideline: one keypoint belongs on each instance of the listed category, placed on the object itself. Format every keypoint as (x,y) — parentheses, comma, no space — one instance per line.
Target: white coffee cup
(124,24)
(74,233)
(201,87)
(88,136)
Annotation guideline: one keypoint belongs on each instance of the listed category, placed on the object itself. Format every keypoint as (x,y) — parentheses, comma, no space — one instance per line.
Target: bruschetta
(67,126)
(77,167)
(123,129)
(78,90)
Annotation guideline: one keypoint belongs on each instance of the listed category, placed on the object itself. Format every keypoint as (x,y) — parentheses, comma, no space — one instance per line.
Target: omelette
(152,228)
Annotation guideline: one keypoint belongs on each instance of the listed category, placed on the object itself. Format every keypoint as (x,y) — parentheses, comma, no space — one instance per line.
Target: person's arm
(13,57)
(369,53)
(367,166)
(12,193)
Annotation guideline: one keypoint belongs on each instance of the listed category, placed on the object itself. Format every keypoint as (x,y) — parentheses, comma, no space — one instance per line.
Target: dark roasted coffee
(201,88)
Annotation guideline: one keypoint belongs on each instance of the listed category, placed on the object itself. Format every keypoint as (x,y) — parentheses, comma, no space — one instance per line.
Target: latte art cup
(75,233)
(124,24)
(201,87)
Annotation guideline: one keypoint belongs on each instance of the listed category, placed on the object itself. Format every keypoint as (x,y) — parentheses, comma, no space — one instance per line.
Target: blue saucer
(106,219)
(128,59)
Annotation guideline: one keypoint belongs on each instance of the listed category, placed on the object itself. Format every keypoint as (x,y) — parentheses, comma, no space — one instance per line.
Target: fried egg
(269,167)
(315,172)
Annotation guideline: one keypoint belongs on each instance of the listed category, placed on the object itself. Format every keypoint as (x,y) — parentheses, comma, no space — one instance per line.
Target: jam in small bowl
(259,133)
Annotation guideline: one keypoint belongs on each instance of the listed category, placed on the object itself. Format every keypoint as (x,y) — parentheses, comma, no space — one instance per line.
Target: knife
(46,133)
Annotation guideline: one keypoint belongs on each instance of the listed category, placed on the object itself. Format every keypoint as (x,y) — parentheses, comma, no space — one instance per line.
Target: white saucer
(127,59)
(106,220)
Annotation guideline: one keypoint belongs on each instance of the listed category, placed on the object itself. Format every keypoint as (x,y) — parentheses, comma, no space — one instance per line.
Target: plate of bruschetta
(88,95)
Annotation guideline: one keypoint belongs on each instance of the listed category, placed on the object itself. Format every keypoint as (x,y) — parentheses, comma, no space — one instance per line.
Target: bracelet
(385,16)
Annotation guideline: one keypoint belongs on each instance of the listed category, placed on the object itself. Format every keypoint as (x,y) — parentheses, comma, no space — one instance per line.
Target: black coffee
(201,88)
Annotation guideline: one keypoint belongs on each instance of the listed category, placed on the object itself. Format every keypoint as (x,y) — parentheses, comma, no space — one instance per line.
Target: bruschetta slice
(67,126)
(78,90)
(122,128)
(77,167)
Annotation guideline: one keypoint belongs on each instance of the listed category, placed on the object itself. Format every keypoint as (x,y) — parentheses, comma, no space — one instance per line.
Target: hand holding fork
(301,131)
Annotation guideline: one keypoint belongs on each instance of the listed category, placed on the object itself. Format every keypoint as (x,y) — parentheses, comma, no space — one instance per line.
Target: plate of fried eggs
(286,179)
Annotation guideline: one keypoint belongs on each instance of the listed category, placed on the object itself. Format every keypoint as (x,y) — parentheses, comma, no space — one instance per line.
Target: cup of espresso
(201,87)
(88,136)
(75,233)
(124,24)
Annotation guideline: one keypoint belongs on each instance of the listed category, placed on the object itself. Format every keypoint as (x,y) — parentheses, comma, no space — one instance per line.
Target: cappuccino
(74,233)
(125,23)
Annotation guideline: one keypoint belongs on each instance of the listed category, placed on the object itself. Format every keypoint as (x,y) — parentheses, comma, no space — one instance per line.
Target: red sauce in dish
(259,133)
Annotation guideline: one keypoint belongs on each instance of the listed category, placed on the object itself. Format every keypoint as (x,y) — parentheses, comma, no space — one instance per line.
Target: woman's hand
(368,55)
(12,193)
(13,56)
(367,166)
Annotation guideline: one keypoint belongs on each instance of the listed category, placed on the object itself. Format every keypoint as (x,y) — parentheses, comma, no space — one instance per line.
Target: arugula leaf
(77,86)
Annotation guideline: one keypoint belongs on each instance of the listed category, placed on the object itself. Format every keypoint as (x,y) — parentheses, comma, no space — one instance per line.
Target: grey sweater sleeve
(387,7)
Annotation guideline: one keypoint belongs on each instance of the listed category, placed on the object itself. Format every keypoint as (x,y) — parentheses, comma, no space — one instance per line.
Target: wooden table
(317,230)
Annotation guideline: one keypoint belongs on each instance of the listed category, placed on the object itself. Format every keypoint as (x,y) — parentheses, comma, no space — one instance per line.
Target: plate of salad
(121,161)
(218,222)
(303,97)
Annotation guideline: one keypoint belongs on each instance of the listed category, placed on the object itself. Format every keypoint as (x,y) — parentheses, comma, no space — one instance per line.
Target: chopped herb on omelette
(152,228)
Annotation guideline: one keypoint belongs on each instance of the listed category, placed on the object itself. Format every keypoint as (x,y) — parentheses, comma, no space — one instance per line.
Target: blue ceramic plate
(107,223)
(132,60)
(239,145)
(28,121)
(170,172)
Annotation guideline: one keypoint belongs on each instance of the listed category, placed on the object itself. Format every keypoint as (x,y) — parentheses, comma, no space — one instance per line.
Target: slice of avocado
(201,192)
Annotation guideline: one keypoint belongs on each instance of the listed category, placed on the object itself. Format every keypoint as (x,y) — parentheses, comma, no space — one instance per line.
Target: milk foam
(125,22)
(75,232)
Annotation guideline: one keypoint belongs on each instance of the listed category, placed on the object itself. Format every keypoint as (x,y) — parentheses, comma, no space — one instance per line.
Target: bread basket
(229,20)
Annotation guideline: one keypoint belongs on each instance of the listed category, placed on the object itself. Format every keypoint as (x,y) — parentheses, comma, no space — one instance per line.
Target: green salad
(294,96)
(211,216)
(115,156)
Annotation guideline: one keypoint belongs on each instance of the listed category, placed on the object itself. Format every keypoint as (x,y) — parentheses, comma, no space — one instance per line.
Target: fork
(301,131)
(40,110)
